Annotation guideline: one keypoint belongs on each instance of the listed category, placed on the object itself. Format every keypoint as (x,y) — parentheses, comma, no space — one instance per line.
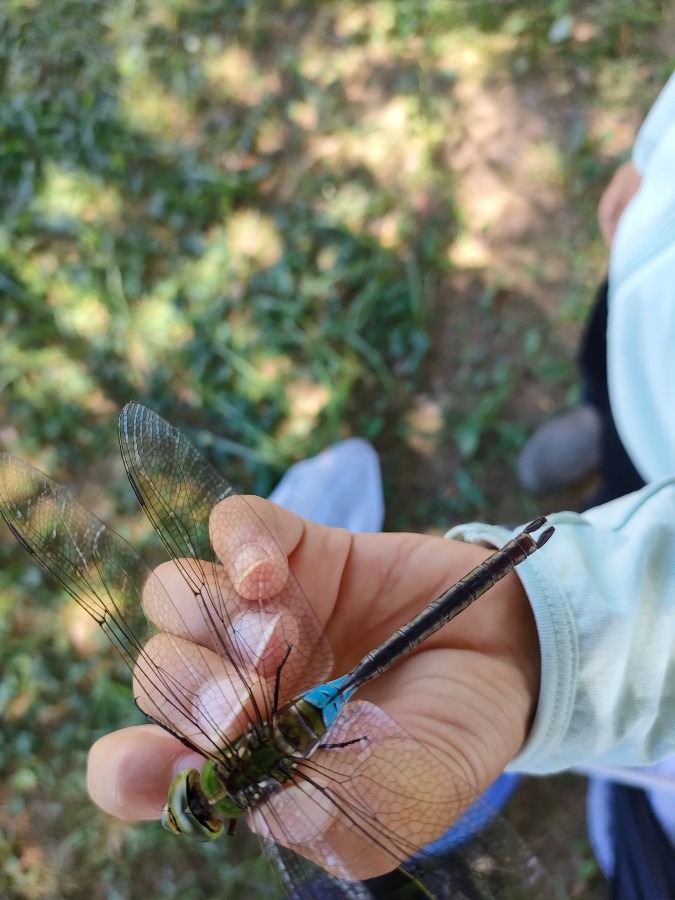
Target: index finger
(361,587)
(250,554)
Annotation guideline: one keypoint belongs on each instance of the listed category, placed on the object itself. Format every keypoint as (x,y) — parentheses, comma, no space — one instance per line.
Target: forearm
(603,595)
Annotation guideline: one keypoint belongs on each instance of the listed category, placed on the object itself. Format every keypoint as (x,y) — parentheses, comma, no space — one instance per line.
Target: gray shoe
(561,452)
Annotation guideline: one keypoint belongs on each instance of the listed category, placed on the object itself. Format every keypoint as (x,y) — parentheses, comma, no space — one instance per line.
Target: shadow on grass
(196,215)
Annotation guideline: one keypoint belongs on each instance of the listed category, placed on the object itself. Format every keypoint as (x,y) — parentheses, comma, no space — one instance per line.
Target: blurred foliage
(199,220)
(239,214)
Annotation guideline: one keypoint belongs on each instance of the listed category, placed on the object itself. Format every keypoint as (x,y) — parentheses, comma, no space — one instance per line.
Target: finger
(196,601)
(196,692)
(129,771)
(254,569)
(249,551)
(255,541)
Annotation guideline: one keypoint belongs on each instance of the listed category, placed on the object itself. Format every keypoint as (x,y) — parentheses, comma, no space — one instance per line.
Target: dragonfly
(245,681)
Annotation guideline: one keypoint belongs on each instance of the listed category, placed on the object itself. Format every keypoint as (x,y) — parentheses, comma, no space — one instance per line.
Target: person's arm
(615,198)
(627,179)
(603,596)
(658,120)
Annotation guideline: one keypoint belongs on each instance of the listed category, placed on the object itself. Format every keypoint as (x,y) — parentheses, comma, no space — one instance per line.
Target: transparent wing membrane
(178,490)
(110,582)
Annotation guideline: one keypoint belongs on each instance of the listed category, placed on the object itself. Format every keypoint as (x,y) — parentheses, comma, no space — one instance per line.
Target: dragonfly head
(196,807)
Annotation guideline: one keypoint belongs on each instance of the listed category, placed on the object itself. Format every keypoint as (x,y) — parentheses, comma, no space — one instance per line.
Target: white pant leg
(341,487)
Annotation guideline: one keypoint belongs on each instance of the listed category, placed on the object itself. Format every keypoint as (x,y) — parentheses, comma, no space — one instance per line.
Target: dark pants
(619,475)
(644,858)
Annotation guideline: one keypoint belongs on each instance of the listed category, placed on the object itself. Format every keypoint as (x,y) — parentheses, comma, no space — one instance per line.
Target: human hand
(615,198)
(467,694)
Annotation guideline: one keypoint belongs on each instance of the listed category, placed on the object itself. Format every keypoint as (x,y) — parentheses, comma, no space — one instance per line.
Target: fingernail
(247,559)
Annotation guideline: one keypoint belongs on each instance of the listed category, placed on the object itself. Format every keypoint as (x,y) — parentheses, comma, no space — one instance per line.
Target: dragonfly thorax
(255,766)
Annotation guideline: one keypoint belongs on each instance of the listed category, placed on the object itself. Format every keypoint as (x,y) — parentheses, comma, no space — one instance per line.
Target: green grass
(243,215)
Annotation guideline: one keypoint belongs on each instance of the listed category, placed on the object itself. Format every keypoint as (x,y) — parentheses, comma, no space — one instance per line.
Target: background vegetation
(279,225)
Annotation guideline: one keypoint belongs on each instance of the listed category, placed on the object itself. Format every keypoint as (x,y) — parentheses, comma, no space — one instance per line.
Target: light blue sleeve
(659,118)
(603,595)
(641,324)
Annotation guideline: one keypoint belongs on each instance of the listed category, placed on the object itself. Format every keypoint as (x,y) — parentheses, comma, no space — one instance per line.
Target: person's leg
(592,355)
(567,448)
(562,451)
(619,475)
(632,830)
(633,848)
(644,861)
(341,487)
(574,444)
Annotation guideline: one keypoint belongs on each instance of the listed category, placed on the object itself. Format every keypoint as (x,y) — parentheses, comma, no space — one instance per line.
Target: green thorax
(252,768)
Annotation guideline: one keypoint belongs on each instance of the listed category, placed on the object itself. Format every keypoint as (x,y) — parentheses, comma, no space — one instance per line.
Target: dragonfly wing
(368,808)
(209,662)
(301,879)
(178,490)
(108,579)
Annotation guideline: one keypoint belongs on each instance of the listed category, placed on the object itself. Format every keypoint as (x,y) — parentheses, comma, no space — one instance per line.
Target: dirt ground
(525,267)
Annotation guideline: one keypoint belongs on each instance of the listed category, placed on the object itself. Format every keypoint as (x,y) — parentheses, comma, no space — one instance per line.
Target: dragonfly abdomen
(449,604)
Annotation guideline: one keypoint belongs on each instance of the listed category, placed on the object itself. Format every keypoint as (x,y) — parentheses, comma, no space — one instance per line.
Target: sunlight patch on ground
(253,238)
(83,315)
(148,106)
(83,632)
(75,194)
(155,325)
(306,399)
(425,422)
(237,75)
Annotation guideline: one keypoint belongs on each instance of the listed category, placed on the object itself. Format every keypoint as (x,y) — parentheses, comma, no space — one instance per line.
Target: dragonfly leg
(277,677)
(165,727)
(341,744)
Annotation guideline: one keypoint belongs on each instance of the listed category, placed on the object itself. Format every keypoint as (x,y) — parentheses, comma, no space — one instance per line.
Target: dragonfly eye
(188,811)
